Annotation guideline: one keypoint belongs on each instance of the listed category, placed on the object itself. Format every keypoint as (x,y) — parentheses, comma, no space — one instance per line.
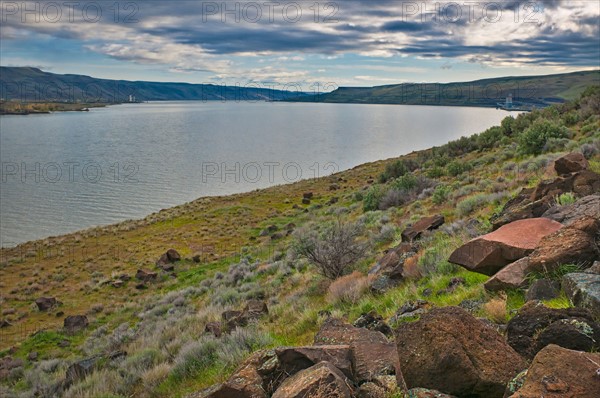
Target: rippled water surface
(67,171)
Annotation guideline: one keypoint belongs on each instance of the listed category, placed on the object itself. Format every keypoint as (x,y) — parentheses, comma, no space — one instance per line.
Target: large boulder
(246,381)
(294,359)
(489,253)
(80,369)
(543,289)
(391,265)
(46,303)
(167,259)
(581,183)
(575,244)
(451,351)
(371,353)
(145,276)
(265,371)
(75,323)
(414,231)
(536,326)
(321,380)
(233,319)
(521,207)
(513,276)
(533,202)
(567,215)
(557,372)
(570,163)
(253,310)
(583,289)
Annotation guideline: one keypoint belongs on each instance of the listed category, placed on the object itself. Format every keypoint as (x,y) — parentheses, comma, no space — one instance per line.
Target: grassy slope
(75,267)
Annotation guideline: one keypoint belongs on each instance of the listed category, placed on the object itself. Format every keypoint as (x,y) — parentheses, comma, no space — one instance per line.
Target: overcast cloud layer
(352,42)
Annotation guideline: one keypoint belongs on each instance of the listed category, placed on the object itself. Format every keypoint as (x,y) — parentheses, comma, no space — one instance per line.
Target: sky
(313,44)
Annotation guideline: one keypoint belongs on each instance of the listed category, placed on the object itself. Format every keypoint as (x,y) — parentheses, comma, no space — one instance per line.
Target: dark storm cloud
(227,39)
(361,26)
(404,26)
(572,46)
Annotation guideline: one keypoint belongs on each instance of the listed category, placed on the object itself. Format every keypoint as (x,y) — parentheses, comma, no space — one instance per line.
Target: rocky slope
(467,270)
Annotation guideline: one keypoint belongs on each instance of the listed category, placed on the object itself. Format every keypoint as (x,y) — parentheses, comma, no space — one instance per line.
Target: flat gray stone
(583,289)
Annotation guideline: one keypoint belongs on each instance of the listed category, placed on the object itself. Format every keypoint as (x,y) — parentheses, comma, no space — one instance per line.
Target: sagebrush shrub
(534,138)
(333,251)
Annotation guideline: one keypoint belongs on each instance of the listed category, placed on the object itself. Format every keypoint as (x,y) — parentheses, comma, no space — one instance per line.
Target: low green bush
(533,139)
(457,167)
(440,194)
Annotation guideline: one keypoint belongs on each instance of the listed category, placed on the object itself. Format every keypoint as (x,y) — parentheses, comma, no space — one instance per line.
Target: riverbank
(30,108)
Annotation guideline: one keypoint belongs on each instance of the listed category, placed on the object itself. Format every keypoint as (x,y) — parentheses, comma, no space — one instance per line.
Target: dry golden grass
(348,288)
(152,378)
(495,309)
(217,226)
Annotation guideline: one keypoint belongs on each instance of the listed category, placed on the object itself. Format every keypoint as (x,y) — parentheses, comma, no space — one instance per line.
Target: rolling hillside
(527,91)
(32,84)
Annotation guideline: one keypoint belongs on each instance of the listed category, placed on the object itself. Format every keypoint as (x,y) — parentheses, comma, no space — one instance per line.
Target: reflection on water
(68,171)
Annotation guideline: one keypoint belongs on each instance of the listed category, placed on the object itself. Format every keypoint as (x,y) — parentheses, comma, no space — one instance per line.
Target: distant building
(509,102)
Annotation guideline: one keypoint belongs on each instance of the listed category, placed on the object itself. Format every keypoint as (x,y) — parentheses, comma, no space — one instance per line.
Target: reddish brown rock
(513,276)
(567,215)
(233,319)
(246,381)
(581,183)
(451,351)
(490,253)
(46,303)
(294,359)
(570,163)
(558,372)
(372,354)
(392,263)
(586,183)
(167,259)
(321,380)
(145,276)
(255,309)
(424,224)
(574,244)
(214,328)
(533,202)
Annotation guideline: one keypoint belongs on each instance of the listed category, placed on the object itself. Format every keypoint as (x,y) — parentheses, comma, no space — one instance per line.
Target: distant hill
(32,84)
(527,91)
